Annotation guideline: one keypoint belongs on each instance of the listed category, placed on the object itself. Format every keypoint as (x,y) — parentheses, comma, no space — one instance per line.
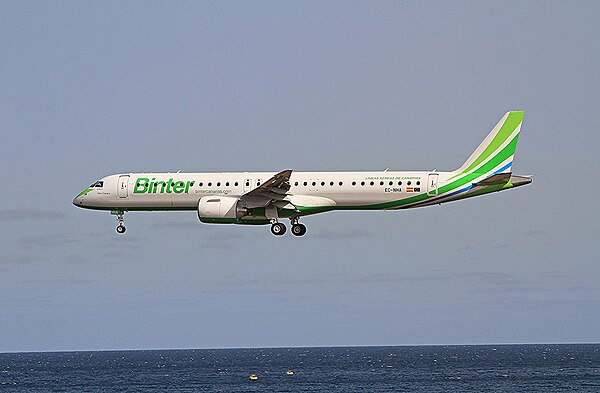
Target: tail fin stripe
(499,158)
(510,124)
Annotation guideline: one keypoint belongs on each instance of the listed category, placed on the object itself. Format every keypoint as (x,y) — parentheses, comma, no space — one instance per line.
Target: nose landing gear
(121,227)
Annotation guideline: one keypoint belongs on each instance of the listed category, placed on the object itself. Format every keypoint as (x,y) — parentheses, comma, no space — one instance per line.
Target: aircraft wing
(272,192)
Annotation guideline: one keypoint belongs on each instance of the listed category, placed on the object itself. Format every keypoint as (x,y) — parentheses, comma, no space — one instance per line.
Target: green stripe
(85,192)
(483,191)
(508,151)
(510,124)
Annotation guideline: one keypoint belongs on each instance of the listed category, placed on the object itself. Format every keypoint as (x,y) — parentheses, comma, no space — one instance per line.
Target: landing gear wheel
(119,213)
(298,229)
(278,229)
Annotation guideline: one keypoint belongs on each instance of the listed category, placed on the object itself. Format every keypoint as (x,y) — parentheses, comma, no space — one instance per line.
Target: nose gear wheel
(120,216)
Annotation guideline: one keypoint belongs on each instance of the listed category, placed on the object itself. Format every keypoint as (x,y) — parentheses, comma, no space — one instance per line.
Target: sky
(89,89)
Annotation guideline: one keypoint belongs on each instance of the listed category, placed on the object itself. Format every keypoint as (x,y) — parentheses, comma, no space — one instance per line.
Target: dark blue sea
(469,368)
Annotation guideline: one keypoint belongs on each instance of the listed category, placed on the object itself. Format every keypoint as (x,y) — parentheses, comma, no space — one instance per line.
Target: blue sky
(91,89)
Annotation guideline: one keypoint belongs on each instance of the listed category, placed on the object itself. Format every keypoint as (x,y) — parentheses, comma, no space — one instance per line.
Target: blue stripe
(505,167)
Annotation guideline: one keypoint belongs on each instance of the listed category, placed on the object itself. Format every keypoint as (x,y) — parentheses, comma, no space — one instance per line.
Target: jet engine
(220,209)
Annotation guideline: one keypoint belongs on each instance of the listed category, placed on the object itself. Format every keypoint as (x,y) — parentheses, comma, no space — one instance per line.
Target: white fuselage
(182,191)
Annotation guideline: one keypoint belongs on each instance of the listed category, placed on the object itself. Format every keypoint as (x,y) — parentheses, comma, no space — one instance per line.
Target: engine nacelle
(219,209)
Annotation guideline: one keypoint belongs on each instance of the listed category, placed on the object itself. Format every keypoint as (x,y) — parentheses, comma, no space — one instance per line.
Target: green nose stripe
(84,192)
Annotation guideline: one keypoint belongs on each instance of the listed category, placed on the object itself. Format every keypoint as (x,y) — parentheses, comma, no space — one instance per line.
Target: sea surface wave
(452,368)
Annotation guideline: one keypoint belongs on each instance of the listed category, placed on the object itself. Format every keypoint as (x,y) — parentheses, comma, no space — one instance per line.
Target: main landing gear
(121,227)
(279,229)
(298,229)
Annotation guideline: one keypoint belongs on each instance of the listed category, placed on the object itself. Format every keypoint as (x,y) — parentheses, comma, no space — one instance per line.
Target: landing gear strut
(121,227)
(277,228)
(297,228)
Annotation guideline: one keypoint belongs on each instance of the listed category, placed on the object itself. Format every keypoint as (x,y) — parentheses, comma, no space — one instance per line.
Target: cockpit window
(98,184)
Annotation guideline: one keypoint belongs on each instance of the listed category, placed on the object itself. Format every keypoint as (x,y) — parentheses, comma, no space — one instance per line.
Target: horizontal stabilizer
(498,178)
(517,181)
(504,178)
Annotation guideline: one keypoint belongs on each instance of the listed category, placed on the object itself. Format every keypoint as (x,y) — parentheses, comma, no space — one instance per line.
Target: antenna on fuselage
(386,169)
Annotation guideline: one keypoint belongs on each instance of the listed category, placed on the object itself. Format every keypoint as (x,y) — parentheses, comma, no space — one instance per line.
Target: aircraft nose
(78,200)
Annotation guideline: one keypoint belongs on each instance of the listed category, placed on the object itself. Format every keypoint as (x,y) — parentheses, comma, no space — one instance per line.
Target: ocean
(449,368)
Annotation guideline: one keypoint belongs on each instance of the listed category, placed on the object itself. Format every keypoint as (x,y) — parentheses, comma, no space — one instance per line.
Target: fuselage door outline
(122,186)
(432,184)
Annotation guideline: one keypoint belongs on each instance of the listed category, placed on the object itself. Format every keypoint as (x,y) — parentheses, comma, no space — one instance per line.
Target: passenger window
(305,184)
(218,184)
(341,184)
(209,184)
(418,183)
(331,183)
(391,183)
(296,183)
(399,183)
(362,183)
(200,184)
(372,183)
(227,184)
(314,183)
(235,184)
(381,183)
(408,183)
(353,183)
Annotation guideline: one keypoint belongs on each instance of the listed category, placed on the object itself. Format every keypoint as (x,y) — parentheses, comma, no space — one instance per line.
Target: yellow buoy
(289,372)
(253,377)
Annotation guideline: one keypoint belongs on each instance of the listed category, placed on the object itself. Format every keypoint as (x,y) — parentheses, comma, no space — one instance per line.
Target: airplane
(264,198)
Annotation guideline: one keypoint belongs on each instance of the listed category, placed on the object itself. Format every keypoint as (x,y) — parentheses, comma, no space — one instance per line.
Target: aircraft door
(122,186)
(432,184)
